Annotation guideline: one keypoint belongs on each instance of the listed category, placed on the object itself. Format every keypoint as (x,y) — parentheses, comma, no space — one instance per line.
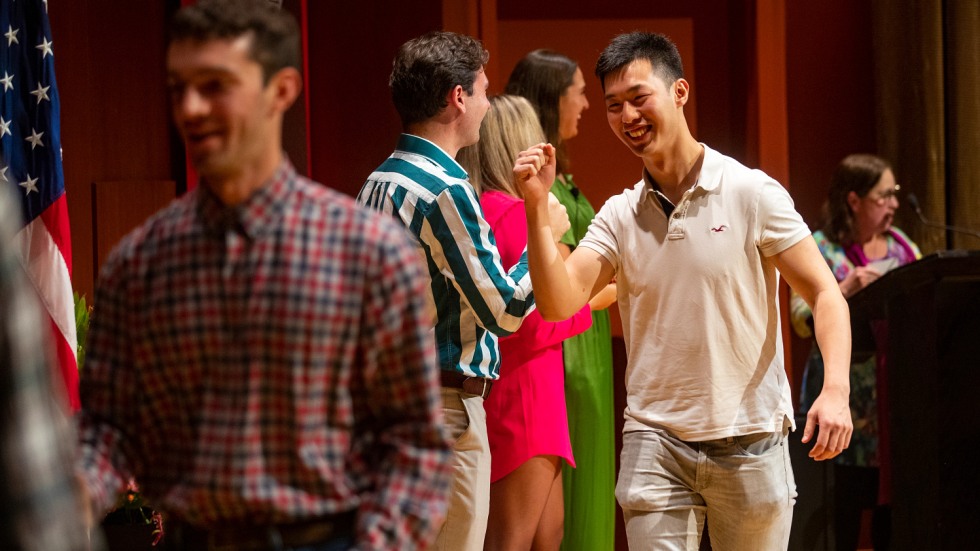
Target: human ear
(455,98)
(284,86)
(682,90)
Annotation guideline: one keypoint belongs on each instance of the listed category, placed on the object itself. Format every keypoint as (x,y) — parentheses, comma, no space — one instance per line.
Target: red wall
(353,124)
(720,31)
(111,78)
(830,95)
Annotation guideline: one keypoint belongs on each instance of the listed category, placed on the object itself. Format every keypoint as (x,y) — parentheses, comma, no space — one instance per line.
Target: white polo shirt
(698,298)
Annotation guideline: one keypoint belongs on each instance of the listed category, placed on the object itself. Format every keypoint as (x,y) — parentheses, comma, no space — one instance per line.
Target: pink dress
(526,413)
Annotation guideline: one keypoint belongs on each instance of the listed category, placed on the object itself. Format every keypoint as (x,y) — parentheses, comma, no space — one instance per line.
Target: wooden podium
(927,319)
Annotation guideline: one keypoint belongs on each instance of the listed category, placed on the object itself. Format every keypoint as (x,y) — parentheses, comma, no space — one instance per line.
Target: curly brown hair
(426,68)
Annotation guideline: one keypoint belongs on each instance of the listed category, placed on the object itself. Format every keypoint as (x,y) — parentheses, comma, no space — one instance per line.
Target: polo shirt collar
(711,169)
(708,179)
(421,146)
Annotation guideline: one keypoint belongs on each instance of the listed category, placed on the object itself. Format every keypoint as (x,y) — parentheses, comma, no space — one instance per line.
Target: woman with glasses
(860,244)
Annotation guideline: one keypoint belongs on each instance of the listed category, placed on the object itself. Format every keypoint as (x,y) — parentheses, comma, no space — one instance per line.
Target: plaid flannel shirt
(268,363)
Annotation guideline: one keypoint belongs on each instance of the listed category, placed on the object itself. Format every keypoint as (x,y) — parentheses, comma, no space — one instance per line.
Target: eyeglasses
(885,196)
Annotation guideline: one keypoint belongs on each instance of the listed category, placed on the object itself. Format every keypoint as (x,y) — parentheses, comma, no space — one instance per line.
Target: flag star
(4,127)
(30,185)
(11,35)
(41,93)
(7,81)
(45,48)
(35,139)
(3,173)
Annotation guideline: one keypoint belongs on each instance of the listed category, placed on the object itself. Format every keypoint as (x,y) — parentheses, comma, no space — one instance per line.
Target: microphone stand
(913,202)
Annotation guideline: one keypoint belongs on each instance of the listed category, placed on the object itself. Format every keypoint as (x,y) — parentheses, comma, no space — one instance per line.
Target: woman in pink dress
(526,416)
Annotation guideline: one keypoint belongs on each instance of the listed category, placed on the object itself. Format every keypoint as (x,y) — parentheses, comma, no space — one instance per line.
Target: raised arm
(808,275)
(561,287)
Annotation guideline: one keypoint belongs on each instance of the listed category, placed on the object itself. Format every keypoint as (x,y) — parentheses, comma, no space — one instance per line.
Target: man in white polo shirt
(695,247)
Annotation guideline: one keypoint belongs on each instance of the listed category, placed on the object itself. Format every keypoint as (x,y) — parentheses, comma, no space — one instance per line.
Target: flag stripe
(55,220)
(66,363)
(48,272)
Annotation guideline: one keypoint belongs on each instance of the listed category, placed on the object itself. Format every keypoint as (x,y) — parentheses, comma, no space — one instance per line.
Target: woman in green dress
(554,85)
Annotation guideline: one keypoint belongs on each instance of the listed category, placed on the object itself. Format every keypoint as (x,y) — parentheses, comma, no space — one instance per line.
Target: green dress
(590,501)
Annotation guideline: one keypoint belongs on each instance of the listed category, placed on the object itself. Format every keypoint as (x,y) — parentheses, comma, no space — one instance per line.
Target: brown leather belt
(238,536)
(478,386)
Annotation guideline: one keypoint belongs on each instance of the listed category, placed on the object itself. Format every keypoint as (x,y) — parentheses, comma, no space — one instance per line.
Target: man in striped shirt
(439,88)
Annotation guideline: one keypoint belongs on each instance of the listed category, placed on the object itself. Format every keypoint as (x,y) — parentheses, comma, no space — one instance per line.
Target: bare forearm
(832,329)
(554,293)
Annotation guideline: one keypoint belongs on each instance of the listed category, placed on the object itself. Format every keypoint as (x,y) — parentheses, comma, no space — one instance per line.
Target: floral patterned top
(842,260)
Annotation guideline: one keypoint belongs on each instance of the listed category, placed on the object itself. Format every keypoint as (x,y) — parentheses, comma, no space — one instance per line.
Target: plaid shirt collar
(254,217)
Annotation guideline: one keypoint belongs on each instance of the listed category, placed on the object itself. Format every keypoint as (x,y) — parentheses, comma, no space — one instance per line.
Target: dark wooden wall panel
(830,93)
(353,124)
(110,71)
(294,131)
(830,97)
(720,48)
(121,206)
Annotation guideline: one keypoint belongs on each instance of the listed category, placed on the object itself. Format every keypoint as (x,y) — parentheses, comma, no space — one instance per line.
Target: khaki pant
(469,502)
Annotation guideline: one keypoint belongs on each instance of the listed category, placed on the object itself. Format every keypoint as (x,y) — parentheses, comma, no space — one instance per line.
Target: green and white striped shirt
(476,300)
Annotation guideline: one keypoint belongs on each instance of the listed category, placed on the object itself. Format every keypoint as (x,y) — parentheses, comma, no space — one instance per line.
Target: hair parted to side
(275,39)
(626,48)
(859,173)
(511,126)
(426,68)
(543,77)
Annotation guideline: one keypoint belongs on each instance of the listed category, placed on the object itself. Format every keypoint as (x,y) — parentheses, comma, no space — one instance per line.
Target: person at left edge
(439,89)
(39,497)
(258,358)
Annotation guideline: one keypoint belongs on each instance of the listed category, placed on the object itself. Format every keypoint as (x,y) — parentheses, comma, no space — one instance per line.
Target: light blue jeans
(743,485)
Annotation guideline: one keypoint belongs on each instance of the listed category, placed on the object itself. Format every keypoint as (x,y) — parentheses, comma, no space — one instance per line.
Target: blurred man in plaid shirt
(259,356)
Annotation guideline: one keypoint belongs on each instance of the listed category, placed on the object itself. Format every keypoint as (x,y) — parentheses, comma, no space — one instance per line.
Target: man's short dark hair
(629,47)
(426,68)
(275,35)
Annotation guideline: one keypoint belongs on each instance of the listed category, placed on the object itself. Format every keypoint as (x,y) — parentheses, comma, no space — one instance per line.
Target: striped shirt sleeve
(462,245)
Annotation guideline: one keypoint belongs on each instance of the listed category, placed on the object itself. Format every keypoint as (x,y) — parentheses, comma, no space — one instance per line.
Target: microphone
(913,202)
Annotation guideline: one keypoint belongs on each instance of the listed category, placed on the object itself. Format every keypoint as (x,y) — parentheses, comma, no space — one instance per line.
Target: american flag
(30,165)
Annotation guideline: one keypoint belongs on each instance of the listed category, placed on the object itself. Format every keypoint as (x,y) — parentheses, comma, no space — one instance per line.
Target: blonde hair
(511,126)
